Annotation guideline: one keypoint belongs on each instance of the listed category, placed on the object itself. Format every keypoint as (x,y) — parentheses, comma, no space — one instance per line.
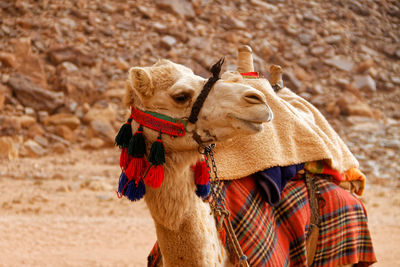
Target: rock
(302,75)
(68,67)
(26,121)
(349,104)
(65,132)
(304,38)
(3,92)
(8,59)
(104,130)
(365,65)
(308,15)
(395,79)
(290,80)
(68,53)
(364,82)
(114,93)
(41,141)
(9,147)
(35,130)
(231,23)
(29,63)
(30,111)
(168,41)
(9,125)
(359,8)
(33,95)
(340,63)
(107,114)
(182,8)
(42,115)
(66,119)
(333,39)
(265,5)
(33,149)
(59,148)
(93,143)
(317,50)
(121,64)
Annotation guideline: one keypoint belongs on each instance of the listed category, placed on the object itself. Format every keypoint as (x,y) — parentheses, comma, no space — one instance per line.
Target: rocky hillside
(63,65)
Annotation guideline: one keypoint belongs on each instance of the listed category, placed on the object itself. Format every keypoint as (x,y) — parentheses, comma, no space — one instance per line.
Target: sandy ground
(63,211)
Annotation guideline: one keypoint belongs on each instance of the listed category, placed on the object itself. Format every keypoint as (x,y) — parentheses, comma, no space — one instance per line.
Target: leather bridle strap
(198,104)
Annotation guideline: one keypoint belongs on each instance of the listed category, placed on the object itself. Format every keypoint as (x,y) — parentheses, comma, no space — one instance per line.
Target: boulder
(349,104)
(3,93)
(168,41)
(9,146)
(340,63)
(33,95)
(8,59)
(66,119)
(364,82)
(181,8)
(93,143)
(32,149)
(104,130)
(26,121)
(61,54)
(65,132)
(107,114)
(29,63)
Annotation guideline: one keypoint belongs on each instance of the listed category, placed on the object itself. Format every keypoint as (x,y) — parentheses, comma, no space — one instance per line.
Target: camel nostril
(254,98)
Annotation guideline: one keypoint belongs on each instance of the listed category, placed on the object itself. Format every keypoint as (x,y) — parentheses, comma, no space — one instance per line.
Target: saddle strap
(314,198)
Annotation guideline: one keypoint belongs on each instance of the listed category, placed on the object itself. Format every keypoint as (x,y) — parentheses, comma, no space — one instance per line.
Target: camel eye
(182,98)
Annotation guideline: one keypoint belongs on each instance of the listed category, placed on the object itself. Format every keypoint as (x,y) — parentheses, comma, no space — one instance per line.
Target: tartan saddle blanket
(276,235)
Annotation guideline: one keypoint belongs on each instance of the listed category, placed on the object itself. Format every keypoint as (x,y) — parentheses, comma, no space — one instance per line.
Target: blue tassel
(203,190)
(135,192)
(122,181)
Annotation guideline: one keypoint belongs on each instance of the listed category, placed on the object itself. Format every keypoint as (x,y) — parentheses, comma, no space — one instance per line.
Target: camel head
(231,108)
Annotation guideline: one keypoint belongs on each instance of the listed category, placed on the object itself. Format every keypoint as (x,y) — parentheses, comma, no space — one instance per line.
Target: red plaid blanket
(276,236)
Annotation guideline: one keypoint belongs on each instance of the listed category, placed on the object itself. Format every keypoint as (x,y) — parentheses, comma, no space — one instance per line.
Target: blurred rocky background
(63,65)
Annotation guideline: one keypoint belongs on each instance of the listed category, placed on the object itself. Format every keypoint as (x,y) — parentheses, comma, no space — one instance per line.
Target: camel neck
(185,228)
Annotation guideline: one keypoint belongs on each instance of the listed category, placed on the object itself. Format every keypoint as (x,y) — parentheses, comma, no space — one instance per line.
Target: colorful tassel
(135,190)
(125,134)
(137,145)
(155,175)
(124,159)
(157,152)
(136,168)
(201,179)
(123,180)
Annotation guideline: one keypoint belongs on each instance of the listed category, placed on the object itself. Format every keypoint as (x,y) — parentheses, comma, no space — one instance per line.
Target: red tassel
(155,176)
(201,176)
(136,168)
(124,159)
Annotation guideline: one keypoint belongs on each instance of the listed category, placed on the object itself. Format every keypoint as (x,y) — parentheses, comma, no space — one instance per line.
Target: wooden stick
(245,59)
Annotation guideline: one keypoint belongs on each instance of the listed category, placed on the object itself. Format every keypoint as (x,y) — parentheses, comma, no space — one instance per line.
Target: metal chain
(218,205)
(215,182)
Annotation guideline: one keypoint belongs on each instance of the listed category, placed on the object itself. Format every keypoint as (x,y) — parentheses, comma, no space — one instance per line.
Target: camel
(186,229)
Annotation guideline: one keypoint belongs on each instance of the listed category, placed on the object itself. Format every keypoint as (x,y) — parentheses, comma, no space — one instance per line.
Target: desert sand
(63,211)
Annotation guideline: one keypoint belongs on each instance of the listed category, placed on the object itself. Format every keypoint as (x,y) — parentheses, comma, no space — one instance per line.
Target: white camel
(185,227)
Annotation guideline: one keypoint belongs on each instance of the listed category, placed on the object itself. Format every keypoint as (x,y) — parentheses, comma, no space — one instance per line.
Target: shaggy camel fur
(185,227)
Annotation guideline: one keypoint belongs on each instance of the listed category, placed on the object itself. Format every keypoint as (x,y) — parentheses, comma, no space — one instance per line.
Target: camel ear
(140,81)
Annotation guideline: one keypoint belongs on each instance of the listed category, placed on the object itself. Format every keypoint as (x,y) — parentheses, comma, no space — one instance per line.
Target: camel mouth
(253,124)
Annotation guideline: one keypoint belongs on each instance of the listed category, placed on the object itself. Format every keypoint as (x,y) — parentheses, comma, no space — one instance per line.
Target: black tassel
(124,135)
(137,145)
(157,152)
